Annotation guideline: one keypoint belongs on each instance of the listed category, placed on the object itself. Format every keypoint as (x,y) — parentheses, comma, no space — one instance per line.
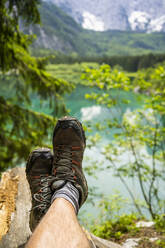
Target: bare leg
(59,228)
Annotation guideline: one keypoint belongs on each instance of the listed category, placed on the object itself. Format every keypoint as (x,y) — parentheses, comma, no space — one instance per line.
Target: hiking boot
(38,173)
(68,144)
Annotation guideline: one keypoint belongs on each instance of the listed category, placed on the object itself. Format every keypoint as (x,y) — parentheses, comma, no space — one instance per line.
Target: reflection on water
(89,113)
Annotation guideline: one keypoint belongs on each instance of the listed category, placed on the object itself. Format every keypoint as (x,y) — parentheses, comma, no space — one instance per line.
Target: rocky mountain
(61,32)
(101,15)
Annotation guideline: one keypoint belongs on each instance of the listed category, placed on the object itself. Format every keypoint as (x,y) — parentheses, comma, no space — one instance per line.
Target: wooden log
(15,207)
(102,243)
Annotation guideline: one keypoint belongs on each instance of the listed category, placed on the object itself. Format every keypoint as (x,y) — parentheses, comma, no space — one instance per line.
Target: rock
(102,243)
(128,15)
(153,239)
(131,243)
(145,224)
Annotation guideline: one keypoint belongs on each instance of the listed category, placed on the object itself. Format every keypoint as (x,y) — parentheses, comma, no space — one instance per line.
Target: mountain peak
(92,22)
(101,15)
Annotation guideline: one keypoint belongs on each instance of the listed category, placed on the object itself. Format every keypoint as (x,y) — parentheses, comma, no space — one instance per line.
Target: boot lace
(63,164)
(43,196)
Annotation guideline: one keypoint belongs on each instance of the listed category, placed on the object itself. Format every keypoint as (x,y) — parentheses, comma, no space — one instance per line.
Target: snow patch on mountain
(92,22)
(99,15)
(139,20)
(142,21)
(157,25)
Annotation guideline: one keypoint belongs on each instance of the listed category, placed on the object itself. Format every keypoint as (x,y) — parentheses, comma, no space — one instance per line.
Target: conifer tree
(21,128)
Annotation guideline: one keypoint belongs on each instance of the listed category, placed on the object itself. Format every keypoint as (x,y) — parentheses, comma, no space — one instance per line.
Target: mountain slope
(60,32)
(117,15)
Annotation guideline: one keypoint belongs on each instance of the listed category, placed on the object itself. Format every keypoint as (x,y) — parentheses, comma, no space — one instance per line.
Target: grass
(71,73)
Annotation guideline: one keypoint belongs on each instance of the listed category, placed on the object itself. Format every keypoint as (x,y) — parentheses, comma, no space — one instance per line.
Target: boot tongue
(63,167)
(65,157)
(39,165)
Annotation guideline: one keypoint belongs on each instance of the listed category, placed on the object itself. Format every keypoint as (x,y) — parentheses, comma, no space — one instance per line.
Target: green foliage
(10,37)
(115,229)
(21,128)
(112,223)
(160,243)
(70,73)
(139,133)
(20,132)
(128,62)
(112,207)
(160,223)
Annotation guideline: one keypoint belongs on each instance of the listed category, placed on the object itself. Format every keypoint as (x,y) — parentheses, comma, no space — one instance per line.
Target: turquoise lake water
(86,110)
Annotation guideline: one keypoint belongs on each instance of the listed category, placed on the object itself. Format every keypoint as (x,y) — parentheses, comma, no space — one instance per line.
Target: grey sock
(69,193)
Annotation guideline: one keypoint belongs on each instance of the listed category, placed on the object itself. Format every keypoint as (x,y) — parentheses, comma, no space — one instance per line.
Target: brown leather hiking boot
(38,173)
(68,144)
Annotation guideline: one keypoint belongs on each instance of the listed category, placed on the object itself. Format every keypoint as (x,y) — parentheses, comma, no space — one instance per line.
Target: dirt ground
(148,237)
(8,193)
